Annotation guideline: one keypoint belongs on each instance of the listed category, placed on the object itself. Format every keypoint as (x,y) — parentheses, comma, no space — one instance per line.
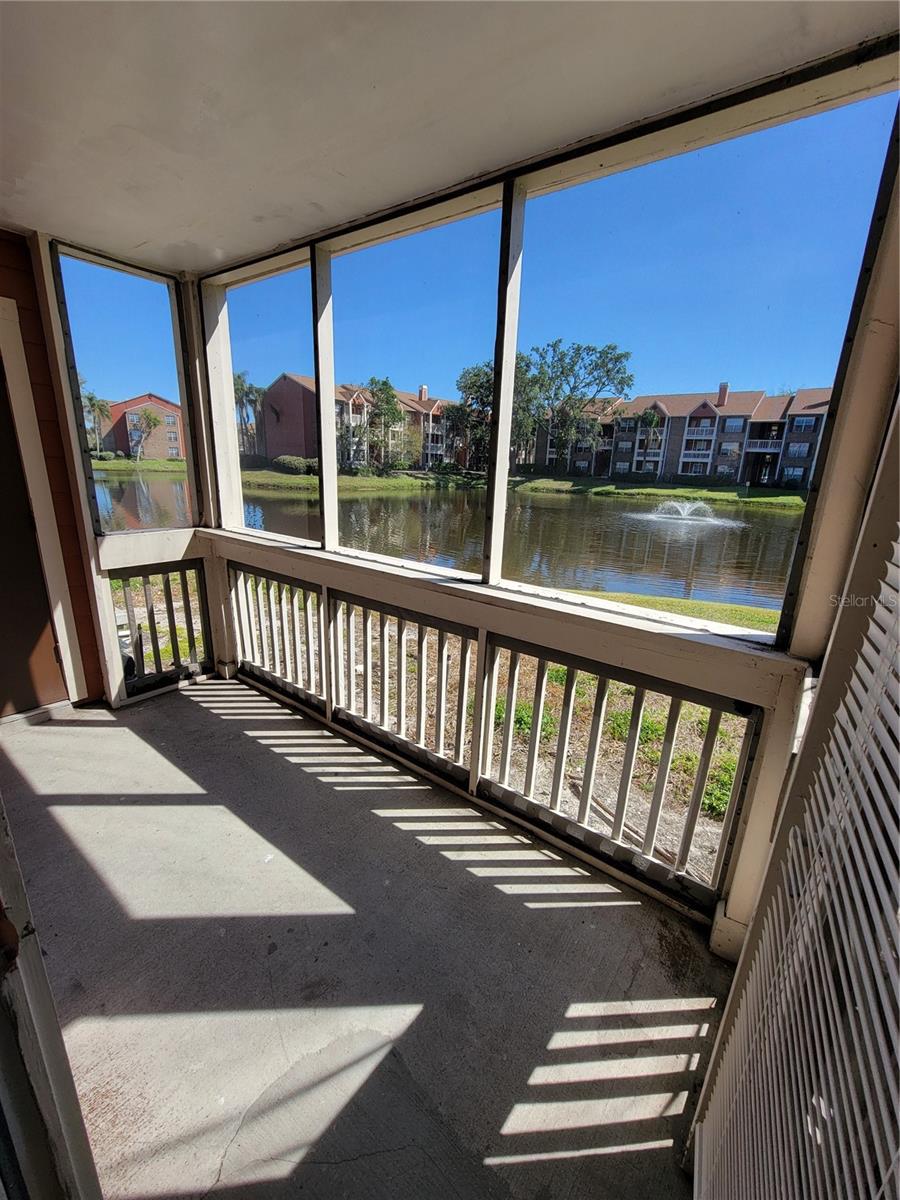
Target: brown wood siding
(17,282)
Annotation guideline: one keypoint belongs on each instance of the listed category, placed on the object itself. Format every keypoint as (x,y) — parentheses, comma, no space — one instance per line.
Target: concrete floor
(285,967)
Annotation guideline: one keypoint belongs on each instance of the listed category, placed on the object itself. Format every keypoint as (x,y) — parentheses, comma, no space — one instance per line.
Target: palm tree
(650,422)
(95,412)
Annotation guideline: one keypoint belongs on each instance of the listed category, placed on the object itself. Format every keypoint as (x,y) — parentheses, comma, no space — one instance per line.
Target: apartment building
(289,414)
(723,436)
(122,431)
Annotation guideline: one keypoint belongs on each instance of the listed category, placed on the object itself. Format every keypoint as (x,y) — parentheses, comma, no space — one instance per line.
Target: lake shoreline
(264,481)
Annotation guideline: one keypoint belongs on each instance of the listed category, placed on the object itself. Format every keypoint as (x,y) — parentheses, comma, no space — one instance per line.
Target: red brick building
(121,431)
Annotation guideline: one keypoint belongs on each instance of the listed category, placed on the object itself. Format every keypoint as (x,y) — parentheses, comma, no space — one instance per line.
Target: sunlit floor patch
(628,1097)
(246,1093)
(197,860)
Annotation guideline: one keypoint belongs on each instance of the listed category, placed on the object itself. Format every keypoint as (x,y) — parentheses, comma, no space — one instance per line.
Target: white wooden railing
(428,664)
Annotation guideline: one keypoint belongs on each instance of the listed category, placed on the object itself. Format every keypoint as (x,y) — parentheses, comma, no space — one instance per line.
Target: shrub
(292,465)
(618,724)
(523,716)
(556,674)
(105,455)
(120,454)
(718,787)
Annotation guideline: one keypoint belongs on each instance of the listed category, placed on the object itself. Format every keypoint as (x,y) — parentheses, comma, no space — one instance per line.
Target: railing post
(326,651)
(757,820)
(475,746)
(220,610)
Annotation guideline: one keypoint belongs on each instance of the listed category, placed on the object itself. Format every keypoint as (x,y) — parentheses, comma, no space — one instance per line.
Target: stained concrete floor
(285,967)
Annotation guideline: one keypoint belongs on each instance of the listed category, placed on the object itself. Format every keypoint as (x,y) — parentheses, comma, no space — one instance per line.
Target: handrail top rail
(679,650)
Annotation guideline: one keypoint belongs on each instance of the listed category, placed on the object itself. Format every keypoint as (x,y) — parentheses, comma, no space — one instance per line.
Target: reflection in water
(142,501)
(739,556)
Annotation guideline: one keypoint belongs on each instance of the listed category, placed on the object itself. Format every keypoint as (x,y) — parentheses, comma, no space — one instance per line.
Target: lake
(739,555)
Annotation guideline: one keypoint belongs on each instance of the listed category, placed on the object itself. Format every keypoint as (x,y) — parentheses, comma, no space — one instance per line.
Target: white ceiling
(191,135)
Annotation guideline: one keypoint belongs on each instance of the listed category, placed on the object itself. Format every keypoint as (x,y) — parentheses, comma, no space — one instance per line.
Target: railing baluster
(285,624)
(562,741)
(271,585)
(134,633)
(235,577)
(193,657)
(490,709)
(298,644)
(350,613)
(421,682)
(263,633)
(631,745)
(693,812)
(249,592)
(339,661)
(662,776)
(310,623)
(401,677)
(440,709)
(537,720)
(512,684)
(590,763)
(151,624)
(170,618)
(462,696)
(384,649)
(367,663)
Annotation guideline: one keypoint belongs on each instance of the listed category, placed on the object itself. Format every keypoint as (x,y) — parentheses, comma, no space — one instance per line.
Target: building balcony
(699,431)
(768,445)
(280,1011)
(696,455)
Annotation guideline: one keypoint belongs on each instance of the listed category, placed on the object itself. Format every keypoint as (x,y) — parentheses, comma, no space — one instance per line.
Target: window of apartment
(731,217)
(798,450)
(173,452)
(725,471)
(123,336)
(730,449)
(414,327)
(170,419)
(803,424)
(793,473)
(275,407)
(172,436)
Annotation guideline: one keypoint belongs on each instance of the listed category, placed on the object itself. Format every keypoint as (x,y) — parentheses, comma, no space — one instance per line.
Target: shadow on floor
(286,966)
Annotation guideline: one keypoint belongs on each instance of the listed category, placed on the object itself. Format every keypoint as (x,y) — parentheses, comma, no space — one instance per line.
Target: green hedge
(292,465)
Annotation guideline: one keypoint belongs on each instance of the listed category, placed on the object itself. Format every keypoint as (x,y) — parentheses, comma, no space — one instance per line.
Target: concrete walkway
(287,968)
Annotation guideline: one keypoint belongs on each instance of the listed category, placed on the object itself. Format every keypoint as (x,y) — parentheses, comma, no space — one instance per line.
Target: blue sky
(737,262)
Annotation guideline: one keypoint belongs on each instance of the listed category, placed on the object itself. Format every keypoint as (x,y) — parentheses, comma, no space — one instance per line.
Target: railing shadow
(282,961)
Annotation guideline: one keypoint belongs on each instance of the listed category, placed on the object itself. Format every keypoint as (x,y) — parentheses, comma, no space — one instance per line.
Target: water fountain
(686,514)
(684,510)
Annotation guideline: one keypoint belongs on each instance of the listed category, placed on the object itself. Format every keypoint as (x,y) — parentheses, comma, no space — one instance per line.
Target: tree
(248,403)
(382,414)
(469,422)
(572,378)
(147,421)
(650,422)
(96,411)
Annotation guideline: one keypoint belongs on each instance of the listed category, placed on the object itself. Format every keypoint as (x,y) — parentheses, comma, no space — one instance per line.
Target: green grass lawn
(763,619)
(127,466)
(595,486)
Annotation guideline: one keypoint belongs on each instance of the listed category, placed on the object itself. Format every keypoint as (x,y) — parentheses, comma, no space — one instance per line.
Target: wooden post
(323,346)
(508,289)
